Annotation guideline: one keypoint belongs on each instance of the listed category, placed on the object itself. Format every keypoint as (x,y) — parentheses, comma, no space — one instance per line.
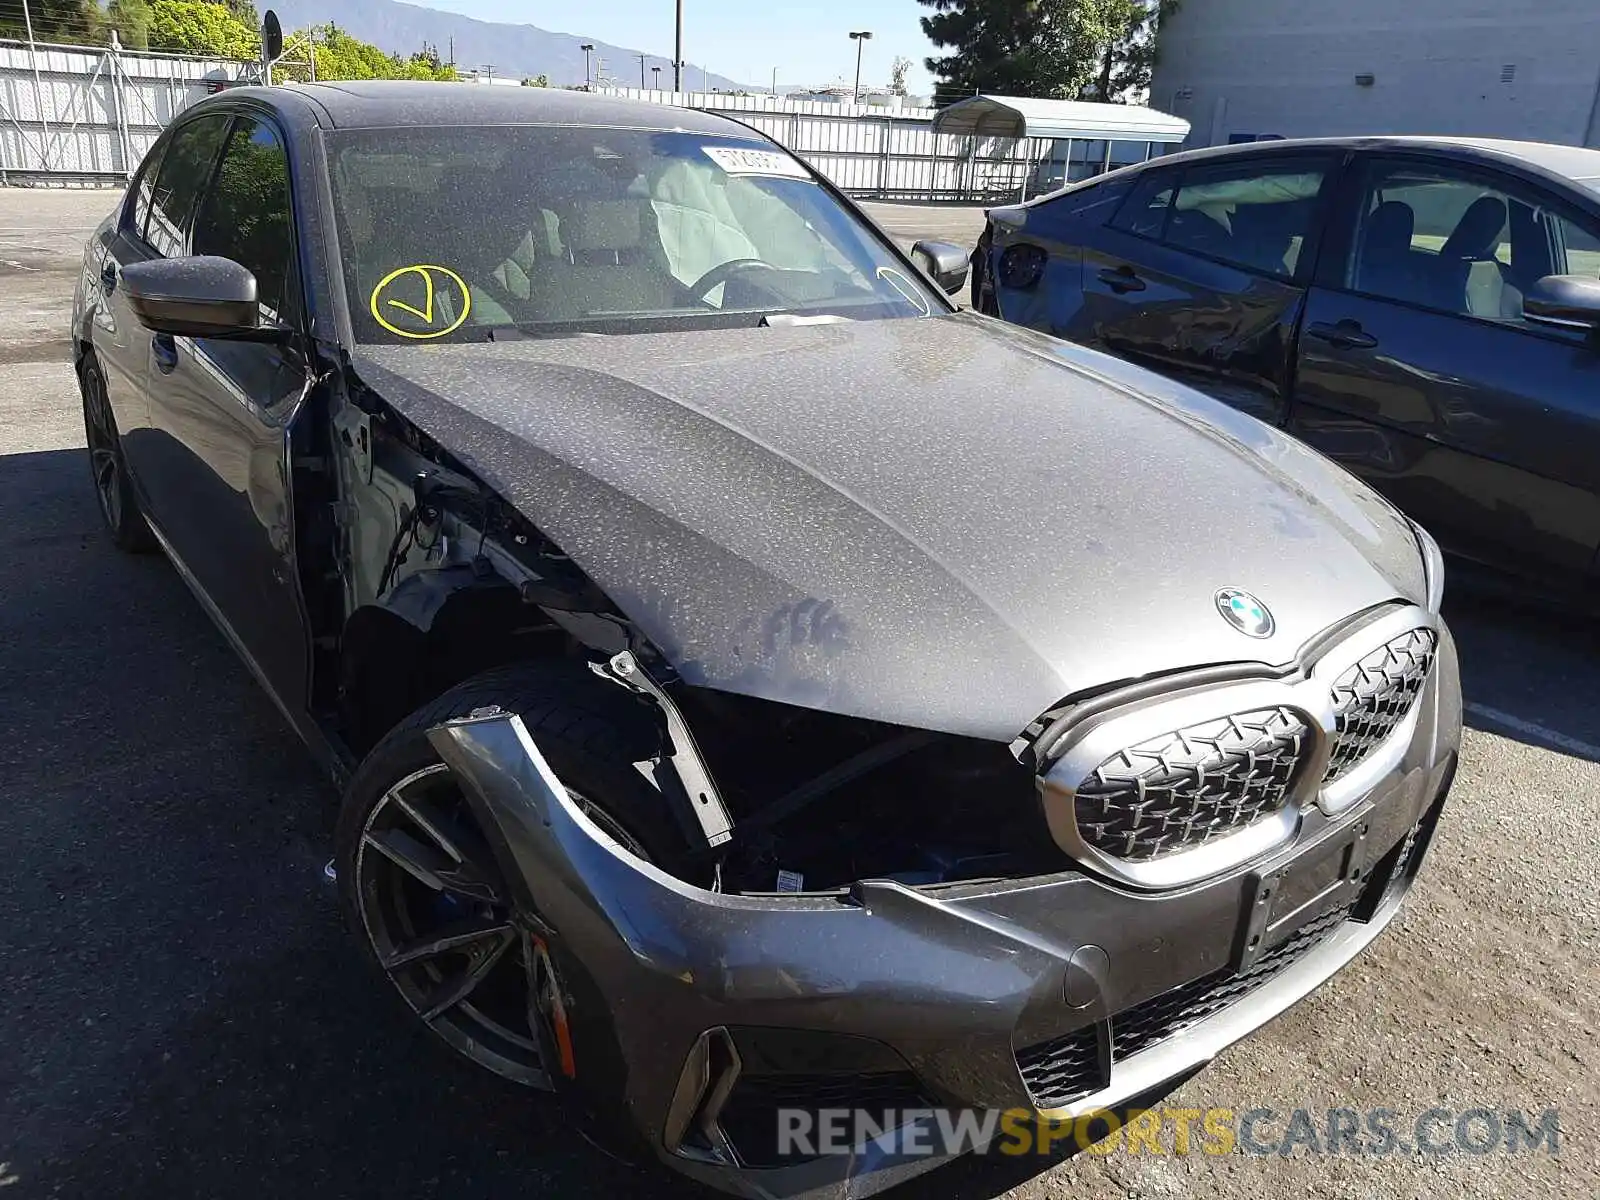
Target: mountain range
(514,51)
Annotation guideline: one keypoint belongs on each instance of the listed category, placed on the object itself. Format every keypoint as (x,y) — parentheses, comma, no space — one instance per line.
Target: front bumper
(673,996)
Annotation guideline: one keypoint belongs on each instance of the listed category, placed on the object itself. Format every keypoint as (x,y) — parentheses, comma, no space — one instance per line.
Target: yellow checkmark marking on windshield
(429,272)
(425,313)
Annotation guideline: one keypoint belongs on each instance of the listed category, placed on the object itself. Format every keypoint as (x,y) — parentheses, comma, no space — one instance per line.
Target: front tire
(113,489)
(419,879)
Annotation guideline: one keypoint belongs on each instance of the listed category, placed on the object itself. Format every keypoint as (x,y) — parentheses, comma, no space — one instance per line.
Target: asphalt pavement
(182,1013)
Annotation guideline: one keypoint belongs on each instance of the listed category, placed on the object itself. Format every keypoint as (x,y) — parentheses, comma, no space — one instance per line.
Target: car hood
(948,523)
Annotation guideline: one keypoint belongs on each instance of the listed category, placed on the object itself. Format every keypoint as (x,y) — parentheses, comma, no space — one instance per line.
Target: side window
(143,187)
(185,169)
(1452,241)
(1145,213)
(246,216)
(1092,205)
(1255,214)
(1580,249)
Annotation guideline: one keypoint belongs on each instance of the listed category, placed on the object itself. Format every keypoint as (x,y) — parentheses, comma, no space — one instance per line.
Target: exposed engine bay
(771,797)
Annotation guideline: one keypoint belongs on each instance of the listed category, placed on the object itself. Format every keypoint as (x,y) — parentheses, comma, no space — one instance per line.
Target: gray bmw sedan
(756,688)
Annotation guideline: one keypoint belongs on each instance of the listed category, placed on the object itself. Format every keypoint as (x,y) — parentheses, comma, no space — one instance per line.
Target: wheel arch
(438,628)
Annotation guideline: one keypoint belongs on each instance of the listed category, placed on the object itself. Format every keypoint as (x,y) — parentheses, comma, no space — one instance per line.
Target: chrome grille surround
(1375,695)
(1173,793)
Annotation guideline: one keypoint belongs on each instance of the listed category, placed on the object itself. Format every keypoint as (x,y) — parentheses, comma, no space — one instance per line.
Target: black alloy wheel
(112,489)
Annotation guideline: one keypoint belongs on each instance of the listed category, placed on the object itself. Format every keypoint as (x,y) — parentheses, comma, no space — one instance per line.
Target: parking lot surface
(182,1014)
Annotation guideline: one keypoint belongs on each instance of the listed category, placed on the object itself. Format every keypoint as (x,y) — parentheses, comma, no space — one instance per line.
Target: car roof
(388,103)
(1571,162)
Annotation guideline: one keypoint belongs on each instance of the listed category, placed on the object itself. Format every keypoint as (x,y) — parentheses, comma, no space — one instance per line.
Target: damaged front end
(900,933)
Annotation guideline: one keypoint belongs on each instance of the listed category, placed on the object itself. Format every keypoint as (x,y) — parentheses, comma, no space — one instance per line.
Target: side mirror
(1570,301)
(947,264)
(202,296)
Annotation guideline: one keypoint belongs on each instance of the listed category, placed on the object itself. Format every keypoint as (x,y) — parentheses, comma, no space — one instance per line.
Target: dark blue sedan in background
(1423,310)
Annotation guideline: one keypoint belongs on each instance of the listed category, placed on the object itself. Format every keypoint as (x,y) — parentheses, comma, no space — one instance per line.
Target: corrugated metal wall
(80,114)
(77,114)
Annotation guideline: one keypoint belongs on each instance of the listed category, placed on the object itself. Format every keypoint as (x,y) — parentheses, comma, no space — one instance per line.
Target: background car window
(1450,241)
(185,170)
(246,215)
(1251,214)
(1145,213)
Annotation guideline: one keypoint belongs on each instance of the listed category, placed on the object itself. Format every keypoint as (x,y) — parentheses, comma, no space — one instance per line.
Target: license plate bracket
(1279,902)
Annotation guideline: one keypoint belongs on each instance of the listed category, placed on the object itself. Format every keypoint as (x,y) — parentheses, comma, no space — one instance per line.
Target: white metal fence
(78,114)
(895,154)
(75,114)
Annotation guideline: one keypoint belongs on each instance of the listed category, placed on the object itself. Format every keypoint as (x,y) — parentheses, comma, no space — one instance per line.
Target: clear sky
(806,40)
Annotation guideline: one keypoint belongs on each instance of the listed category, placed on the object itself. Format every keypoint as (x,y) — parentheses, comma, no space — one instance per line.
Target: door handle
(1346,335)
(1122,280)
(165,351)
(108,276)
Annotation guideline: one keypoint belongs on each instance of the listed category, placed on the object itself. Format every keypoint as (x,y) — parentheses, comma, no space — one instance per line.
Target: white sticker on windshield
(755,162)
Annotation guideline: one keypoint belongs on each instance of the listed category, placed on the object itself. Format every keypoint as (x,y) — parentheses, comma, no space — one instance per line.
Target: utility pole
(677,53)
(774,81)
(860,39)
(640,57)
(588,49)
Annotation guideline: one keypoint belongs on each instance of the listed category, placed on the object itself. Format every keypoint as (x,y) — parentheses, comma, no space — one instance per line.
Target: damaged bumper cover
(695,1015)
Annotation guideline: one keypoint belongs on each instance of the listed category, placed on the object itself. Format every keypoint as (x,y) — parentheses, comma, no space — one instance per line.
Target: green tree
(897,76)
(131,19)
(1045,48)
(201,27)
(72,22)
(536,81)
(340,56)
(1128,59)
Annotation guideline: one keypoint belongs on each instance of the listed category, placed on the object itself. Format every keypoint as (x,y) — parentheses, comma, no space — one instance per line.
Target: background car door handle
(165,351)
(1346,335)
(1121,280)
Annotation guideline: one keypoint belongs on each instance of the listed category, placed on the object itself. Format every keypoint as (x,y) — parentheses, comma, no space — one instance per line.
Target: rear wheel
(112,488)
(421,883)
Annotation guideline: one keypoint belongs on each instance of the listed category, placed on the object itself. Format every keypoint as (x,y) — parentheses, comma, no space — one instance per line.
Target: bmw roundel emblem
(1245,613)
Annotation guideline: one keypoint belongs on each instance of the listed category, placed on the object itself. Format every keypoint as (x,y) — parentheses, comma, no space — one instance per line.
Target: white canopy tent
(1021,117)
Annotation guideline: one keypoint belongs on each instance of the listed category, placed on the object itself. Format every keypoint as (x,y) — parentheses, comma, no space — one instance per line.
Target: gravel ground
(183,1014)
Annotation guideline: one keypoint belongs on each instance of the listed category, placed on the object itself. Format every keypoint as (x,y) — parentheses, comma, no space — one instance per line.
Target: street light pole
(587,48)
(677,52)
(859,38)
(774,81)
(655,78)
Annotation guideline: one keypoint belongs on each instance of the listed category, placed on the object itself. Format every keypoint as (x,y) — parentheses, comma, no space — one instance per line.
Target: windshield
(460,234)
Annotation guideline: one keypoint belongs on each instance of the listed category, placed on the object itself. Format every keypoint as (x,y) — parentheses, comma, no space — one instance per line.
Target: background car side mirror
(946,263)
(1570,301)
(199,296)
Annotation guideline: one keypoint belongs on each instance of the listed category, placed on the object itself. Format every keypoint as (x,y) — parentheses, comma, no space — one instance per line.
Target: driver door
(223,409)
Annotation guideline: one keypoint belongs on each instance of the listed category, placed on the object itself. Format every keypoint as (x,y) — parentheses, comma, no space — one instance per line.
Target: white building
(1245,69)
